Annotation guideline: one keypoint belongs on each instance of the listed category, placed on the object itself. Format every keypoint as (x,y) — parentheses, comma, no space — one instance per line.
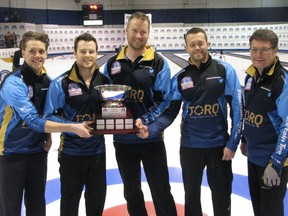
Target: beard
(137,46)
(199,56)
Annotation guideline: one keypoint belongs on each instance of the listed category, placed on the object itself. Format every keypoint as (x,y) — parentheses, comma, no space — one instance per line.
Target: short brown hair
(195,30)
(86,37)
(30,35)
(265,35)
(139,15)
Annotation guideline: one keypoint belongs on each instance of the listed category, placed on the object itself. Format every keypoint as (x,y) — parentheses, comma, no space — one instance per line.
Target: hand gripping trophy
(115,116)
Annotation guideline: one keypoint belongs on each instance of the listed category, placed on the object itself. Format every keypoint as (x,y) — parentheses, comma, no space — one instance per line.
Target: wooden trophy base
(115,126)
(115,120)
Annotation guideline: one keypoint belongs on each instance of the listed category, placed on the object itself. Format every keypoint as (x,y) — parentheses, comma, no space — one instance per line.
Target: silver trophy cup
(114,117)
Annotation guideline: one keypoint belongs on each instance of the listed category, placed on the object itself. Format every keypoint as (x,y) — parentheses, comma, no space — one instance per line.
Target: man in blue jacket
(205,87)
(265,140)
(72,97)
(25,137)
(138,66)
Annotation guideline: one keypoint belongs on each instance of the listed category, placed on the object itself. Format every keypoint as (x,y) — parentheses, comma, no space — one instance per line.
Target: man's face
(197,47)
(137,34)
(86,54)
(262,54)
(35,54)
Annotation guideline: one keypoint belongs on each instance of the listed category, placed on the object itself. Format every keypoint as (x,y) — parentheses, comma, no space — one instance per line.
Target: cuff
(278,169)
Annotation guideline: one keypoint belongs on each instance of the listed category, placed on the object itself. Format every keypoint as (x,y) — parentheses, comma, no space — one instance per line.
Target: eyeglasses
(261,50)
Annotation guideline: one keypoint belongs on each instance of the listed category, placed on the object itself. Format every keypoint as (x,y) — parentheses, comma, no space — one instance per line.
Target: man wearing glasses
(265,135)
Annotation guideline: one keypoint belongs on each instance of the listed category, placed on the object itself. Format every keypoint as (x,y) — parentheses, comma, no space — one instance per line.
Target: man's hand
(83,130)
(143,129)
(243,148)
(228,154)
(271,177)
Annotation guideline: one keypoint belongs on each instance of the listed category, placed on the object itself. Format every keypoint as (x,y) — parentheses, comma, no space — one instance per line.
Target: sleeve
(168,116)
(243,139)
(233,90)
(281,152)
(163,85)
(54,103)
(15,94)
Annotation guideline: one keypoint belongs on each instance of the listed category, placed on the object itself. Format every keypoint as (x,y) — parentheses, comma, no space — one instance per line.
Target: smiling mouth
(137,41)
(37,61)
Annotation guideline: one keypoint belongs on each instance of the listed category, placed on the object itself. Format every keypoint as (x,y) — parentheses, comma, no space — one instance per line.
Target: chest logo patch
(74,89)
(187,83)
(30,91)
(248,84)
(116,68)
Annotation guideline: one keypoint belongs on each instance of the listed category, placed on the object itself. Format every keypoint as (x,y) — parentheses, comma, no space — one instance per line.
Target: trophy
(115,116)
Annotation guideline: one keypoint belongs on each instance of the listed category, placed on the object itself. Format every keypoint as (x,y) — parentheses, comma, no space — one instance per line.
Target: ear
(186,47)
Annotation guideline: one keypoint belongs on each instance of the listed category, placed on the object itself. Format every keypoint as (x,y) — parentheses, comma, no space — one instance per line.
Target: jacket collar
(75,75)
(148,55)
(29,74)
(252,71)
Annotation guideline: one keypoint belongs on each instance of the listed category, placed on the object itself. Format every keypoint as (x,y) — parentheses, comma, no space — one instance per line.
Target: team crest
(74,89)
(3,74)
(30,91)
(186,83)
(248,84)
(116,67)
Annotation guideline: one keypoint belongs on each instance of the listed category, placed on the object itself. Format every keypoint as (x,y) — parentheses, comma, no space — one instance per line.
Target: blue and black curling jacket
(149,77)
(266,115)
(22,98)
(205,93)
(70,100)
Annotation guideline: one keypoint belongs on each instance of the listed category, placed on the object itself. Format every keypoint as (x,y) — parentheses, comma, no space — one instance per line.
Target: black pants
(77,172)
(23,174)
(153,158)
(266,201)
(219,175)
